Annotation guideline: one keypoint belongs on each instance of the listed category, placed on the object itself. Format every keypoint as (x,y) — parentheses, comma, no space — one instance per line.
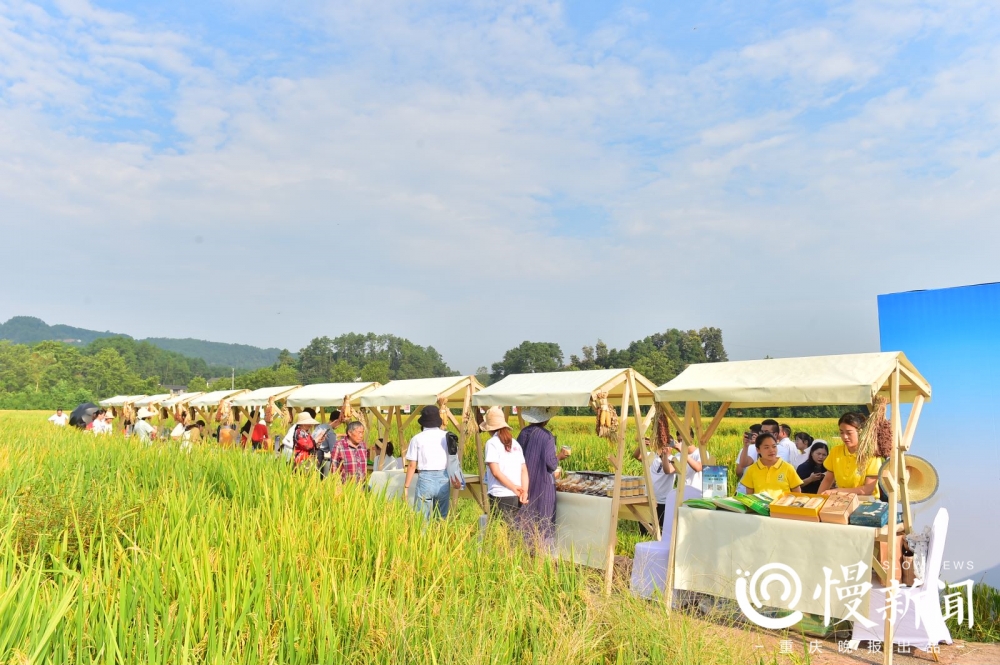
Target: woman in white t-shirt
(506,472)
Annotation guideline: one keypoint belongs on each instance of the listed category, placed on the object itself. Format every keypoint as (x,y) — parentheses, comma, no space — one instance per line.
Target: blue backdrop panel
(953,337)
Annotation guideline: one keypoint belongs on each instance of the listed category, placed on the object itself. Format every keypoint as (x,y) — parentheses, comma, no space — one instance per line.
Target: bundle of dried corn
(443,411)
(868,437)
(606,425)
(471,421)
(224,414)
(661,429)
(347,412)
(128,413)
(270,410)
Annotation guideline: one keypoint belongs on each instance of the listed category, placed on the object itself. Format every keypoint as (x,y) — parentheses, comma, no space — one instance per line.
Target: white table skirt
(713,545)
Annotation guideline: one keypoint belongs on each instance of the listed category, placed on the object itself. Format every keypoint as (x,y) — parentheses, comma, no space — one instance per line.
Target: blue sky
(585,169)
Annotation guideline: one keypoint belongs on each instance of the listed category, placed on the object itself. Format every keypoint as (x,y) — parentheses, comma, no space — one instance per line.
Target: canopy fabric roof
(152,400)
(260,396)
(421,392)
(329,394)
(121,400)
(571,388)
(844,379)
(213,398)
(183,398)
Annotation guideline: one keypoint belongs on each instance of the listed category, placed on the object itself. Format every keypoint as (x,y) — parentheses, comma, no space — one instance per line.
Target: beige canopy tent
(119,404)
(624,387)
(319,395)
(823,380)
(258,399)
(452,392)
(179,402)
(206,404)
(325,398)
(153,401)
(119,401)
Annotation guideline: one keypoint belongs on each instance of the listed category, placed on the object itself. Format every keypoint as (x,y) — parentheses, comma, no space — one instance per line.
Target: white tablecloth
(713,545)
(583,523)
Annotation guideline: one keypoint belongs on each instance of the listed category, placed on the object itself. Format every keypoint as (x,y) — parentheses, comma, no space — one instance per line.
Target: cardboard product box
(838,508)
(883,556)
(874,514)
(803,507)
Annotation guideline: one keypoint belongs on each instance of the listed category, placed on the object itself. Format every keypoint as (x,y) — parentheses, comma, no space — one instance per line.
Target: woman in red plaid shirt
(350,455)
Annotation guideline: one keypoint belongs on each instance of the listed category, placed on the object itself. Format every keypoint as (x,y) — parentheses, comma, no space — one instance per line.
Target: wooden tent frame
(459,394)
(902,439)
(181,401)
(629,398)
(118,408)
(254,418)
(321,410)
(207,411)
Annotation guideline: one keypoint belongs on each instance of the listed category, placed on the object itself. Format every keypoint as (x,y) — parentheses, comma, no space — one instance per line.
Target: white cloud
(402,186)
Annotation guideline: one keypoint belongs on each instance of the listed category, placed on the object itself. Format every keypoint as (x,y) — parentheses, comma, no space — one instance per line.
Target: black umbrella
(83,415)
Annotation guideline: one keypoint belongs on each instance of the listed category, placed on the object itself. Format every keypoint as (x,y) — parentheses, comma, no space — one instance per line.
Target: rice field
(115,552)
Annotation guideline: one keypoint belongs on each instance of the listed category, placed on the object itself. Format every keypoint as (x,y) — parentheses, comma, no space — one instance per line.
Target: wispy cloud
(397,166)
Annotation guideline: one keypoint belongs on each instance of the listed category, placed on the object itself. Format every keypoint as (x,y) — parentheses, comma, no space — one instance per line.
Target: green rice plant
(150,554)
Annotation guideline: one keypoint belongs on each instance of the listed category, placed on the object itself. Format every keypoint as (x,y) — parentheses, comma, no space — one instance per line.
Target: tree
(343,372)
(377,371)
(285,359)
(711,341)
(529,357)
(483,376)
(197,384)
(316,360)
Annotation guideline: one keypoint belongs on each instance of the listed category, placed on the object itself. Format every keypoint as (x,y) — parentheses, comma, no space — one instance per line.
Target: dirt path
(826,652)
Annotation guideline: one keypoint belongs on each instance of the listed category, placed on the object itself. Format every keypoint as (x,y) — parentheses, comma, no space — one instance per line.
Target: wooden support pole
(640,434)
(678,500)
(710,432)
(891,547)
(911,423)
(616,497)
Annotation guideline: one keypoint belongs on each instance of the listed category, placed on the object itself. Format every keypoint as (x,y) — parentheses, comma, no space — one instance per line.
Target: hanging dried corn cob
(868,436)
(661,429)
(128,413)
(270,410)
(224,414)
(606,425)
(347,412)
(443,411)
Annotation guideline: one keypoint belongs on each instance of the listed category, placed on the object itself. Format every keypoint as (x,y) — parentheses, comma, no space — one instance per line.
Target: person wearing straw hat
(142,428)
(506,473)
(304,446)
(427,455)
(539,446)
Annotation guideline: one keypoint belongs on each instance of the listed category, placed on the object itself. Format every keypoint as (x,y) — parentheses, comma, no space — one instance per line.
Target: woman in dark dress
(538,516)
(811,471)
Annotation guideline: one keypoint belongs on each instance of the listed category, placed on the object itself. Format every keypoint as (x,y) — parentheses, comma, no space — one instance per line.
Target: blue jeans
(433,493)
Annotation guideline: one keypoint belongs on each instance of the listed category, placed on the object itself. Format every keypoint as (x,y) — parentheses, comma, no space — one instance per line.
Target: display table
(583,525)
(712,545)
(392,482)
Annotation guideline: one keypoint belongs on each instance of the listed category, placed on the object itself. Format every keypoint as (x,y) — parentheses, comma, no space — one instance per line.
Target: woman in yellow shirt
(769,472)
(842,463)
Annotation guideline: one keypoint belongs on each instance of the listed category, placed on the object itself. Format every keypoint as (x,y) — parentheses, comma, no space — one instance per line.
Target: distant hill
(29,330)
(240,356)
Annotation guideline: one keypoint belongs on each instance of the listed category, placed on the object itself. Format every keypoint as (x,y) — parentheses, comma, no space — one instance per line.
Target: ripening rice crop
(115,552)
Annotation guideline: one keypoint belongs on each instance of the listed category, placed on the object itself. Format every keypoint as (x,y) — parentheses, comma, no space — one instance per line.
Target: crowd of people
(521,472)
(771,461)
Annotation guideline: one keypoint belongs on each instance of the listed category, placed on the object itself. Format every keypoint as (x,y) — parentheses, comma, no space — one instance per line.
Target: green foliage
(219,354)
(117,553)
(659,357)
(197,385)
(376,370)
(529,358)
(325,359)
(31,330)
